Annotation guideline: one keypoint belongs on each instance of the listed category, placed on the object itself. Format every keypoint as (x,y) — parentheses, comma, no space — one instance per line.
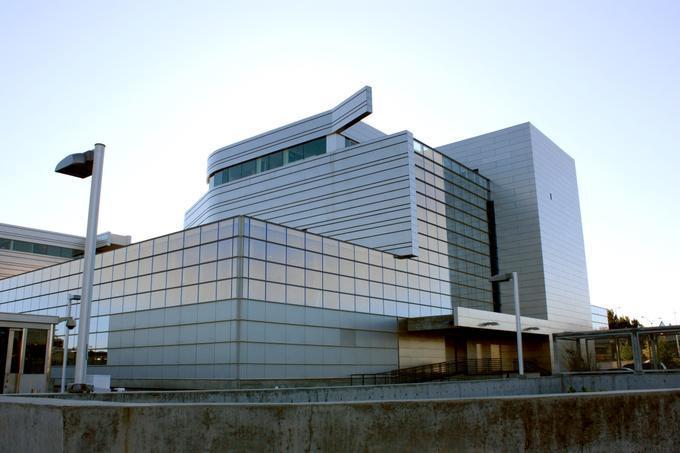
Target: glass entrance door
(14,361)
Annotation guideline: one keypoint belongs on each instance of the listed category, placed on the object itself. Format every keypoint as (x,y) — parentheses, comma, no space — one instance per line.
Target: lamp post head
(501,278)
(78,165)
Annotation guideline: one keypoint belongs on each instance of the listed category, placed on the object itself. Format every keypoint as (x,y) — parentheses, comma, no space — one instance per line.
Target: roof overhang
(22,320)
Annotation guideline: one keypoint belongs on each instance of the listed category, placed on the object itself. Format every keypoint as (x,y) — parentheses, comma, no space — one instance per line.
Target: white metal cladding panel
(343,115)
(561,233)
(362,194)
(505,157)
(287,341)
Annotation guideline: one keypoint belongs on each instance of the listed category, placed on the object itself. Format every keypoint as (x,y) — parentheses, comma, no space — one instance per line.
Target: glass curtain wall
(453,231)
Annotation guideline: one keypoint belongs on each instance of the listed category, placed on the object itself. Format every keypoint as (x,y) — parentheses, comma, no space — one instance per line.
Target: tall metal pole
(64,360)
(88,265)
(515,291)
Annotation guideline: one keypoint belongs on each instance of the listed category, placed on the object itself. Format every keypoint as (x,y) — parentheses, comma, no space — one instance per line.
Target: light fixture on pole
(499,278)
(70,324)
(82,165)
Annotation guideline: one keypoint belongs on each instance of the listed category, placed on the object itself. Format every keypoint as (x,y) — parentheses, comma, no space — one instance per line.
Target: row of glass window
(430,191)
(450,212)
(441,172)
(451,189)
(449,163)
(40,249)
(269,162)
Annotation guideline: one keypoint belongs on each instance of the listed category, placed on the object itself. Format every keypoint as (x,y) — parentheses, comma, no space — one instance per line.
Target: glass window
(276,292)
(330,264)
(256,289)
(361,270)
(234,172)
(273,160)
(190,275)
(118,271)
(296,257)
(313,261)
(208,233)
(248,168)
(361,287)
(257,229)
(361,254)
(192,237)
(295,153)
(257,249)
(117,288)
(174,259)
(160,262)
(131,269)
(224,269)
(276,253)
(207,272)
(145,249)
(144,267)
(36,349)
(143,284)
(330,282)
(346,251)
(206,292)
(276,273)
(189,294)
(157,282)
(224,249)
(256,269)
(130,286)
(223,289)
(160,245)
(21,246)
(313,243)
(276,233)
(313,297)
(172,297)
(295,295)
(315,147)
(347,302)
(347,267)
(157,300)
(313,279)
(174,278)
(226,229)
(362,304)
(331,300)
(347,285)
(208,252)
(190,256)
(176,241)
(295,238)
(295,276)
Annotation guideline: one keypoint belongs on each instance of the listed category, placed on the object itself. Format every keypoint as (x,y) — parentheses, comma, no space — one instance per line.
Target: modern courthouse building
(327,247)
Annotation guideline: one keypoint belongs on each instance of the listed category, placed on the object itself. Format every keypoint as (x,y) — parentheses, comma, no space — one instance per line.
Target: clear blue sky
(164,83)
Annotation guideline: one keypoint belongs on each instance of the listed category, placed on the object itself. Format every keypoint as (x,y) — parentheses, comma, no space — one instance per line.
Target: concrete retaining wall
(624,421)
(429,390)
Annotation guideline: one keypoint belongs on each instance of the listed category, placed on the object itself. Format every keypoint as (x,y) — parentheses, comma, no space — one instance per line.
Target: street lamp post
(82,165)
(515,290)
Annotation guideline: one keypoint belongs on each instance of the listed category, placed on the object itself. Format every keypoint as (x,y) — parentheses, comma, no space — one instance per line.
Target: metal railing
(445,370)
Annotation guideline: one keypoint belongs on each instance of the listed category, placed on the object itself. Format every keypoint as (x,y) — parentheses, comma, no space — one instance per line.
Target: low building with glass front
(326,248)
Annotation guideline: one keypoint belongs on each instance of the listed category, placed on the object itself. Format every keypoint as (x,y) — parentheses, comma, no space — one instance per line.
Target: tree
(621,322)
